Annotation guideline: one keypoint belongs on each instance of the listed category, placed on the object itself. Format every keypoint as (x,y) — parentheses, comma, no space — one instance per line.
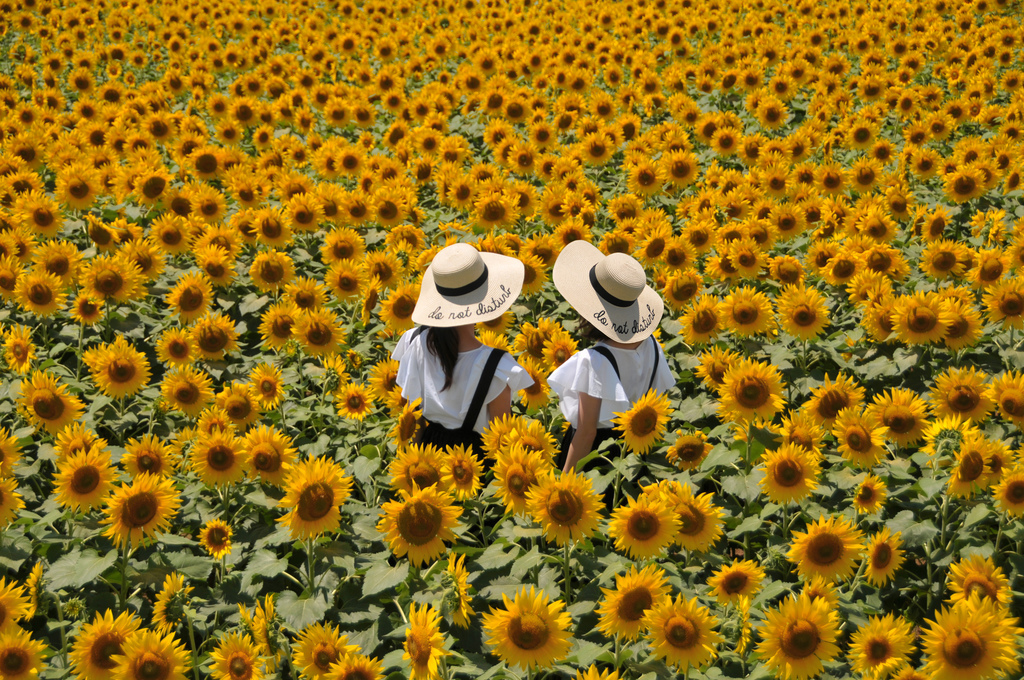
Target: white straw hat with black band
(463,285)
(609,291)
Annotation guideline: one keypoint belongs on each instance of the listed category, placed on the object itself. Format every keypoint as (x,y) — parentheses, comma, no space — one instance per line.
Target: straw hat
(610,292)
(463,286)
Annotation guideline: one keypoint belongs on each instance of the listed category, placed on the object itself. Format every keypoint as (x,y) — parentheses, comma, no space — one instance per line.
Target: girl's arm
(583,441)
(501,406)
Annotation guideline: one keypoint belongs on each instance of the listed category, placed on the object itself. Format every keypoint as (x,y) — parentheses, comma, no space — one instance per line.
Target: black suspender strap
(419,331)
(481,389)
(655,371)
(607,354)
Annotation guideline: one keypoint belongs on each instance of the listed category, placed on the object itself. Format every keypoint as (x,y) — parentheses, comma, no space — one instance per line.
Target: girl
(462,383)
(620,312)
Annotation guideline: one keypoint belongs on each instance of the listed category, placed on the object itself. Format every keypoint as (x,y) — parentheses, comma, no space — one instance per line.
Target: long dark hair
(443,343)
(586,330)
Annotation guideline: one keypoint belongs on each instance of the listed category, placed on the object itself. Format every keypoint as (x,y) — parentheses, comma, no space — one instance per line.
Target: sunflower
(978,576)
(643,425)
(643,528)
(971,465)
(14,606)
(236,658)
(751,389)
(747,312)
(975,639)
(315,490)
(424,643)
(803,312)
(99,641)
(921,318)
(870,495)
(149,654)
(176,347)
(118,369)
(516,472)
(319,332)
(190,297)
(214,336)
(83,479)
(903,413)
(461,472)
(881,646)
(10,453)
(530,631)
(46,402)
(357,667)
(884,557)
(317,649)
(353,401)
(798,636)
(218,458)
(40,293)
(688,450)
(790,473)
(741,579)
(271,270)
(86,310)
(19,351)
(961,392)
(137,511)
(215,537)
(170,604)
(1009,493)
(680,632)
(270,454)
(622,609)
(419,523)
(21,657)
(536,395)
(1007,391)
(829,398)
(407,423)
(1004,302)
(558,349)
(700,521)
(417,466)
(828,548)
(111,277)
(701,321)
(859,440)
(565,506)
(239,403)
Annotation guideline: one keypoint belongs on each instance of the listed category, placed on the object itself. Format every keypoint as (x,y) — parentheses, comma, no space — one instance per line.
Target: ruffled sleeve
(510,373)
(409,355)
(588,372)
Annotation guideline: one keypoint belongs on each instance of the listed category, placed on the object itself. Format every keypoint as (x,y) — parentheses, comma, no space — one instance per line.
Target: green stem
(785,520)
(567,572)
(122,596)
(999,534)
(309,564)
(195,653)
(618,644)
(78,366)
(63,631)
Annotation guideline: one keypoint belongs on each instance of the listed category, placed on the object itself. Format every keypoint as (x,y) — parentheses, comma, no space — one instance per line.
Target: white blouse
(591,373)
(421,377)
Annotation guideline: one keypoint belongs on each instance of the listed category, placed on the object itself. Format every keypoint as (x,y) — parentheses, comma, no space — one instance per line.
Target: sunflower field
(214,218)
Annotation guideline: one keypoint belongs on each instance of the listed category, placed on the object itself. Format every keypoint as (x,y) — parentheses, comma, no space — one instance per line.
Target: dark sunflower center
(643,525)
(922,320)
(212,339)
(735,582)
(963,650)
(745,314)
(963,399)
(788,473)
(423,474)
(565,507)
(324,656)
(40,294)
(186,394)
(85,480)
(152,667)
(899,419)
(239,668)
(121,371)
(266,459)
(681,633)
(824,549)
(752,392)
(104,647)
(882,556)
(528,631)
(139,509)
(47,405)
(109,282)
(419,522)
(800,640)
(315,501)
(191,299)
(691,520)
(1011,304)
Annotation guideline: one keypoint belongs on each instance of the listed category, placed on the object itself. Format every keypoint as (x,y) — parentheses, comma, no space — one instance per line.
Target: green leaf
(746,526)
(79,568)
(266,564)
(919,534)
(979,513)
(300,612)
(190,565)
(496,556)
(382,576)
(720,456)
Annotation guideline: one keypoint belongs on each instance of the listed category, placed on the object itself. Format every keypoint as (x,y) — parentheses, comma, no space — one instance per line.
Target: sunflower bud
(74,609)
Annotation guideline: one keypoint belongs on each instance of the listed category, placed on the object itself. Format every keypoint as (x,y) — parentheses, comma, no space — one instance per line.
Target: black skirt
(602,435)
(440,436)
